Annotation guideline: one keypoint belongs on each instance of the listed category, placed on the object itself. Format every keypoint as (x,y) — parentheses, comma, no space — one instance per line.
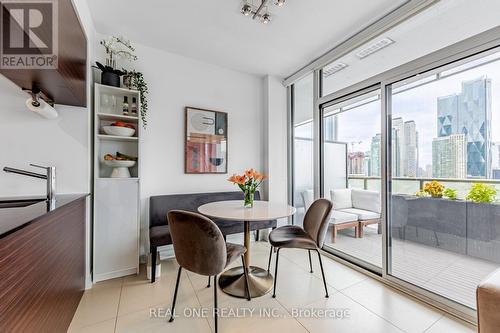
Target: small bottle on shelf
(133,107)
(125,106)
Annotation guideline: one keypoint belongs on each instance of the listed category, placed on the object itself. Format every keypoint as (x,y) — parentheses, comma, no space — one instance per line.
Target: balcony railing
(411,185)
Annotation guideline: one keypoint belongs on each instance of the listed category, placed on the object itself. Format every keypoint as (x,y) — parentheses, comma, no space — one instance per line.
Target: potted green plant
(482,193)
(483,217)
(116,47)
(135,80)
(450,194)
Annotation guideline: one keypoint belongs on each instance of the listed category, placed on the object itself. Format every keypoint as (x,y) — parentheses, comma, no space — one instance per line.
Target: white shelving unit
(116,200)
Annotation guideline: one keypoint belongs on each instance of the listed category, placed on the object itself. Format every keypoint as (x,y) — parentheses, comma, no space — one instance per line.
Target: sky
(418,104)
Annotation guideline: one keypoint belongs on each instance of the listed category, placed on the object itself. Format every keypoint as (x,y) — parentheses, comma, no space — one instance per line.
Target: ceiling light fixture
(374,47)
(259,11)
(266,18)
(246,9)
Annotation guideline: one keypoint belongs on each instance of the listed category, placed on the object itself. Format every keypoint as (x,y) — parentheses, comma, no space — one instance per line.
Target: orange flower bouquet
(248,183)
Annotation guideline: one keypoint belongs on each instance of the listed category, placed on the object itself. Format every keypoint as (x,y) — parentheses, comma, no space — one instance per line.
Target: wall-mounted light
(40,104)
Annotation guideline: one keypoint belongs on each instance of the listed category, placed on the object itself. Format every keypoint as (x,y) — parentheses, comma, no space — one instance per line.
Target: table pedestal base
(232,282)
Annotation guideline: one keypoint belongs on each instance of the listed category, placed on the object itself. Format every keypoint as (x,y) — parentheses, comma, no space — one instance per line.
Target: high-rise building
(367,167)
(495,155)
(410,156)
(449,156)
(397,146)
(404,148)
(428,171)
(375,156)
(356,163)
(469,113)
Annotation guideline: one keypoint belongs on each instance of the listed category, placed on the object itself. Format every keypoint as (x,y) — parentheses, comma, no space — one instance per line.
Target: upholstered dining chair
(310,238)
(199,247)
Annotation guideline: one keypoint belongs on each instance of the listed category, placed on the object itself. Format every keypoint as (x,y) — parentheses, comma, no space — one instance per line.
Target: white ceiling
(217,33)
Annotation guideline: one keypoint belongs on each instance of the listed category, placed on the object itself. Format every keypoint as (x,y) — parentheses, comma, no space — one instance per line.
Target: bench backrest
(160,205)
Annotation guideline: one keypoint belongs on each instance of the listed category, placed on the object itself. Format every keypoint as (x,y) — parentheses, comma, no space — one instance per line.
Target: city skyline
(461,149)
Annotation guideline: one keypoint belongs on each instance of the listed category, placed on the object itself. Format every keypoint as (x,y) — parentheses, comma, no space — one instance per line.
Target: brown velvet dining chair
(310,238)
(199,247)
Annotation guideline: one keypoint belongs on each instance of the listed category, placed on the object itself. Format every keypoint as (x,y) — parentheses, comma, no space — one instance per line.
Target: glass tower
(469,113)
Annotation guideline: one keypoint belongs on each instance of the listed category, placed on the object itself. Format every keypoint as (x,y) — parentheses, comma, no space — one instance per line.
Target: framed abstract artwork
(206,141)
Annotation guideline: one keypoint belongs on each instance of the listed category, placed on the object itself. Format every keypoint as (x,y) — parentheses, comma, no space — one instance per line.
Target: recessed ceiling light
(332,69)
(374,47)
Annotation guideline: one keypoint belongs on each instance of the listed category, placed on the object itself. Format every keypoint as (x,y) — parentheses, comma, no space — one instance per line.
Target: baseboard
(115,274)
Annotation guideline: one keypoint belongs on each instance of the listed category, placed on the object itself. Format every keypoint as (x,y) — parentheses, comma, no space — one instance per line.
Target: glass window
(445,140)
(351,177)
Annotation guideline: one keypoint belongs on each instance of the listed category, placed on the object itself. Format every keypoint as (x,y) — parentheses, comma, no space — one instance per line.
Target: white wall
(276,152)
(27,138)
(175,82)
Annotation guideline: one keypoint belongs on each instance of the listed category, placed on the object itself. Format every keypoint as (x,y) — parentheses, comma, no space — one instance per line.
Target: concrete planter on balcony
(483,231)
(454,225)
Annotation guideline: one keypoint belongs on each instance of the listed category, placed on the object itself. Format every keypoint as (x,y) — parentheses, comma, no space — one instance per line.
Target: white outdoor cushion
(362,214)
(366,200)
(307,198)
(341,198)
(339,217)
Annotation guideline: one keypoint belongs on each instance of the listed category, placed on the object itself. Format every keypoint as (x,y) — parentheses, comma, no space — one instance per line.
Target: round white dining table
(260,281)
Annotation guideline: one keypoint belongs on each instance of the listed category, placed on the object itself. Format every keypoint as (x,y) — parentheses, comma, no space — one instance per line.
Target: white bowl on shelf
(118,131)
(120,168)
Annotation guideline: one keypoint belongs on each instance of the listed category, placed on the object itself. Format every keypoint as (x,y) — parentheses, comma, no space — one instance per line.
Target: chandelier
(259,11)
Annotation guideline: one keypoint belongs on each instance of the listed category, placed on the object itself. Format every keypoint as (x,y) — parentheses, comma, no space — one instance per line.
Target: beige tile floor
(124,305)
(446,273)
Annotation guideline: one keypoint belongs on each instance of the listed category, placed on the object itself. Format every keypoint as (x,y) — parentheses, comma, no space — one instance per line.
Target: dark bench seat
(159,206)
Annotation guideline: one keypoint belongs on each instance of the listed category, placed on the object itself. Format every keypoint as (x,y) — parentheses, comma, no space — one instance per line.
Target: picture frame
(205,141)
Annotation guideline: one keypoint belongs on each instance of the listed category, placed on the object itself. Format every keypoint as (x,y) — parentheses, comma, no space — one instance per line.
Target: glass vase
(249,196)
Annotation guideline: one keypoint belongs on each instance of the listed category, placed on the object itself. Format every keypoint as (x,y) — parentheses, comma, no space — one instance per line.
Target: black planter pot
(110,79)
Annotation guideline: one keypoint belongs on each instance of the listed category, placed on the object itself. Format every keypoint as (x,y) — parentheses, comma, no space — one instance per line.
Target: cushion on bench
(341,198)
(366,200)
(362,214)
(307,198)
(339,217)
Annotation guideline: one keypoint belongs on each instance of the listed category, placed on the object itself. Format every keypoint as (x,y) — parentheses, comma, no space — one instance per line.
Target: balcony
(444,246)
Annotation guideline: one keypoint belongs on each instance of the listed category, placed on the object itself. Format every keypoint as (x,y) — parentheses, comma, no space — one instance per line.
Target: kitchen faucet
(50,176)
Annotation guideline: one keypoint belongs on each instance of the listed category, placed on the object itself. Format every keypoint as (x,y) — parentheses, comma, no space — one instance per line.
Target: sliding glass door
(445,153)
(351,147)
(411,161)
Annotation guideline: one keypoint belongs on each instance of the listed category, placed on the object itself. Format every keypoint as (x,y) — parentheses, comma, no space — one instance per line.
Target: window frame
(454,55)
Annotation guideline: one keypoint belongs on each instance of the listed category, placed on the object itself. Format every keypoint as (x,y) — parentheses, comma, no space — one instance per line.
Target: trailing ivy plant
(482,193)
(137,82)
